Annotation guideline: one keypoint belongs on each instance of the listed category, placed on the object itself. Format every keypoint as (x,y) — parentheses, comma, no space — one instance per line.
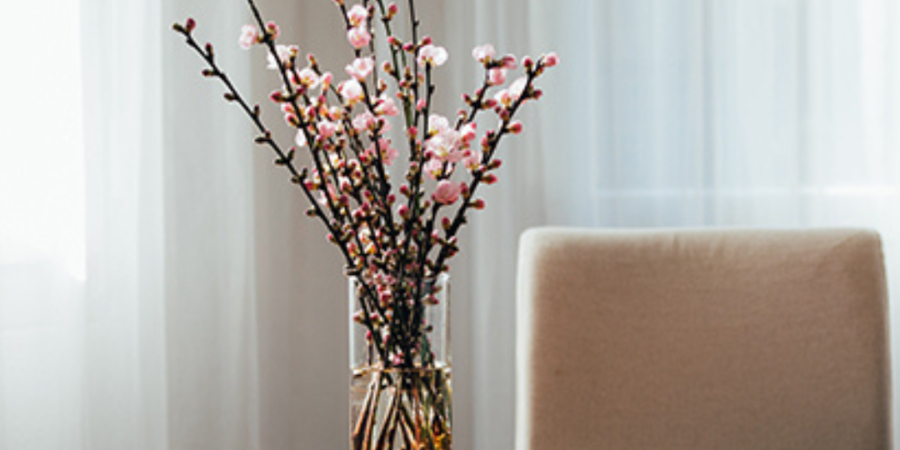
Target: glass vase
(400,391)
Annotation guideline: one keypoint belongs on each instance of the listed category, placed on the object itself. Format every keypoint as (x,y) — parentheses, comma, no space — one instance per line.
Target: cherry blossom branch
(479,176)
(284,159)
(390,258)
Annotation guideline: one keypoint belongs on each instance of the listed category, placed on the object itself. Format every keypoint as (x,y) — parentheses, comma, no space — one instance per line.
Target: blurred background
(161,288)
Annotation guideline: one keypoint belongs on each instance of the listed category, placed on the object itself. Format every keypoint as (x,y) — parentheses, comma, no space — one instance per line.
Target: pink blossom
(551,60)
(446,192)
(484,53)
(361,68)
(359,37)
(517,88)
(351,91)
(388,154)
(387,107)
(503,97)
(509,62)
(330,193)
(468,132)
(473,160)
(445,146)
(385,125)
(326,129)
(437,123)
(432,55)
(433,168)
(445,141)
(308,77)
(249,36)
(286,53)
(357,15)
(497,76)
(363,121)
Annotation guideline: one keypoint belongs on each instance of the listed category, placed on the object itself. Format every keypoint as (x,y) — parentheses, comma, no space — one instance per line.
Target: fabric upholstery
(705,339)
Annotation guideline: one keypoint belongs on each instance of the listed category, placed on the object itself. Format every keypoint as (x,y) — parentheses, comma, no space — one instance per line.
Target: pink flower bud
(509,62)
(276,96)
(403,211)
(551,60)
(478,204)
(190,24)
(420,105)
(272,29)
(515,127)
(528,62)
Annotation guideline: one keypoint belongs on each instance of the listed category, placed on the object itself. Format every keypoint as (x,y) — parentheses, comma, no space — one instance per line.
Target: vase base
(401,409)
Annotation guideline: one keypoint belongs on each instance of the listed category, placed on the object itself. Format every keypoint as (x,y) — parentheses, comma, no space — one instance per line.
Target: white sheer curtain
(751,113)
(210,312)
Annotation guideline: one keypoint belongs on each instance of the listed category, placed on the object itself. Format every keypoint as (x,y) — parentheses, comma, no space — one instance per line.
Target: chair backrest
(700,340)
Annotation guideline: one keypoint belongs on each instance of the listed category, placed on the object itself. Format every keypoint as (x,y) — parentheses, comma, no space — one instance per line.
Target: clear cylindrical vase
(400,392)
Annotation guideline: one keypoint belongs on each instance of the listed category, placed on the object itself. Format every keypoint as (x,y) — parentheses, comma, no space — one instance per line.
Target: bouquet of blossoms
(396,236)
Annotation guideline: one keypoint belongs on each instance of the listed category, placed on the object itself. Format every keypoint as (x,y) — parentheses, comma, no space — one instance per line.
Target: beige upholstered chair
(700,340)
